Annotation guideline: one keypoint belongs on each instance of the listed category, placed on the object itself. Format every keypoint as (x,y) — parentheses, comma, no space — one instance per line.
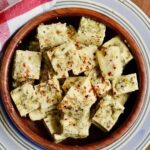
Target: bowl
(35,131)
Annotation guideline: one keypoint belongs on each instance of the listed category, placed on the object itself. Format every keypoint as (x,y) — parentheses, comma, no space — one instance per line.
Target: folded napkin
(6,4)
(15,13)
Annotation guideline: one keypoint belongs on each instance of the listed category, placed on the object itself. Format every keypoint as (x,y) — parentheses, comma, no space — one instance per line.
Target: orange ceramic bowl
(35,131)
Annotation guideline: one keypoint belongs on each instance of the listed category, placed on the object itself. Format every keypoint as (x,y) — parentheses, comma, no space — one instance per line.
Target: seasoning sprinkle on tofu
(125,84)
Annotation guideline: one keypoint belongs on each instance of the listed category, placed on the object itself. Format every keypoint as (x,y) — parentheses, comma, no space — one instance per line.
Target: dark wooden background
(145,6)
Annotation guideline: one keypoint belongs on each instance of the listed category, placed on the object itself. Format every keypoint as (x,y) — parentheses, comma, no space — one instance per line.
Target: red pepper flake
(110,73)
(65,119)
(76,110)
(24,65)
(86,96)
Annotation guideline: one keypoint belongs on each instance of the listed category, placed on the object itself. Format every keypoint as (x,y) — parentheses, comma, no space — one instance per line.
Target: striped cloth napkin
(15,13)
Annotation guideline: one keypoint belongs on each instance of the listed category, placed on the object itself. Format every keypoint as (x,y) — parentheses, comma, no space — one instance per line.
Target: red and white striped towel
(11,18)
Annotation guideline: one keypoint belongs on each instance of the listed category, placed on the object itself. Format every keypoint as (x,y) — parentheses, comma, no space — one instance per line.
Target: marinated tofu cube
(48,94)
(74,127)
(37,115)
(90,32)
(75,106)
(69,82)
(110,62)
(101,86)
(125,53)
(52,122)
(64,59)
(23,99)
(125,84)
(52,35)
(122,99)
(26,65)
(107,114)
(59,138)
(87,60)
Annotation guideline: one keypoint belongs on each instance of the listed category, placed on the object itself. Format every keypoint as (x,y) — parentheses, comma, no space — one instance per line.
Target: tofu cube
(71,81)
(101,86)
(52,122)
(75,107)
(26,65)
(90,32)
(64,59)
(122,99)
(125,84)
(87,59)
(125,53)
(23,99)
(107,114)
(110,62)
(48,94)
(37,115)
(52,35)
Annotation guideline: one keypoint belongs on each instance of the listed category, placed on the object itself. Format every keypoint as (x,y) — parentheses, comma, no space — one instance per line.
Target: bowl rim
(25,30)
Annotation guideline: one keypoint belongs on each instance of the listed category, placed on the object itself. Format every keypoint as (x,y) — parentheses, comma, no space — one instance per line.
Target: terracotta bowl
(35,131)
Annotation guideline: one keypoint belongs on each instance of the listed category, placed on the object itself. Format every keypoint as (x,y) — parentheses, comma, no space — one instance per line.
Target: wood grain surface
(145,6)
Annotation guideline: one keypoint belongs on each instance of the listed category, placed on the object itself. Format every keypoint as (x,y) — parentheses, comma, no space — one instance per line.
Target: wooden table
(145,6)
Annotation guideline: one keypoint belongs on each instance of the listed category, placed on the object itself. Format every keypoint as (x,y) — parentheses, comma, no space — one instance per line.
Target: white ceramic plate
(134,20)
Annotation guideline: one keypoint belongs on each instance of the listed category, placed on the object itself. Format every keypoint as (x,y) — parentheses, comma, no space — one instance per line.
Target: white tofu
(37,115)
(24,100)
(110,62)
(26,65)
(126,55)
(122,99)
(69,82)
(59,138)
(52,35)
(64,59)
(48,94)
(75,127)
(125,84)
(88,59)
(107,114)
(52,122)
(90,32)
(76,108)
(101,86)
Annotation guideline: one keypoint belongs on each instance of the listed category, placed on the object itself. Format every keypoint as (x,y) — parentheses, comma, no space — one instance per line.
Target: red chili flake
(86,96)
(76,110)
(65,119)
(24,65)
(110,73)
(78,86)
(81,68)
(58,32)
(114,66)
(114,93)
